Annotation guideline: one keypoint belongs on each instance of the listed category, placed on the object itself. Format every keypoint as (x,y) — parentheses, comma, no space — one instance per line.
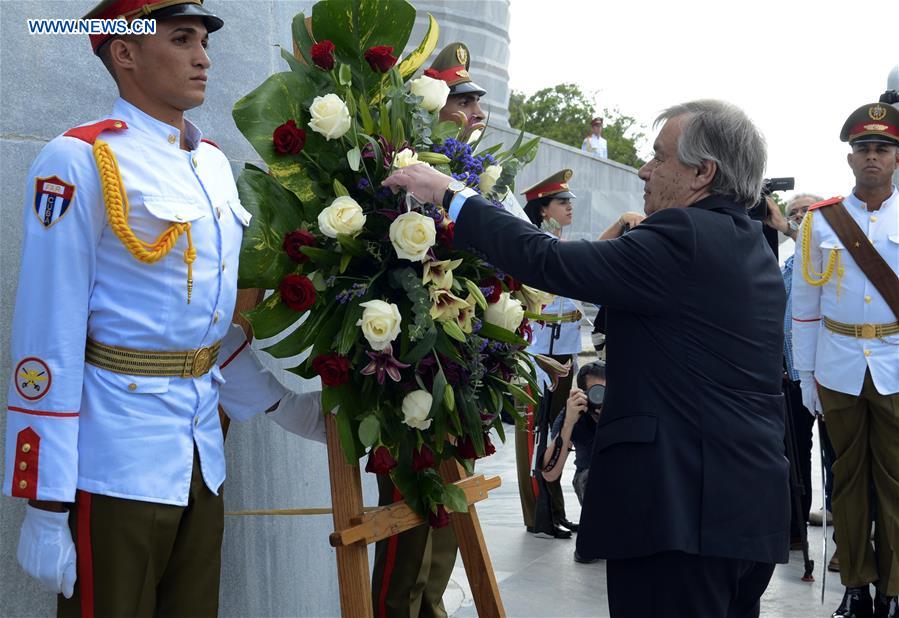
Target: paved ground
(539,578)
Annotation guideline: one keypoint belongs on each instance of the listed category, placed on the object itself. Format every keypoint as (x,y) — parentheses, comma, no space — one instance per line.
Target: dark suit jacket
(689,452)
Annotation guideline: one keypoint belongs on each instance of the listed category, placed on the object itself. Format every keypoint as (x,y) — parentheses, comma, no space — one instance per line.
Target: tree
(563,113)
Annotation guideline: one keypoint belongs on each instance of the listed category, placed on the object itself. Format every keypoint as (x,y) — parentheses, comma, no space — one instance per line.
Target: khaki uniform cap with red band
(149,9)
(554,186)
(874,122)
(451,65)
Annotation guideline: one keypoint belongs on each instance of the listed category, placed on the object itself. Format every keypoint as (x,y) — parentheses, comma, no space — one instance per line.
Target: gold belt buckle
(868,331)
(201,363)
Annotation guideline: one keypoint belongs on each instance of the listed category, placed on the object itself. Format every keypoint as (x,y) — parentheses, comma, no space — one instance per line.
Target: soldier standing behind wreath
(846,349)
(413,568)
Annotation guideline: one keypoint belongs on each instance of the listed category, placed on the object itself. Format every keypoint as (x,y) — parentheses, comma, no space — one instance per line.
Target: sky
(798,68)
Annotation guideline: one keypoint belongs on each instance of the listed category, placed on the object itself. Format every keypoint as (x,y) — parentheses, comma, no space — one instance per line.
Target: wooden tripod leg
(352,560)
(477,563)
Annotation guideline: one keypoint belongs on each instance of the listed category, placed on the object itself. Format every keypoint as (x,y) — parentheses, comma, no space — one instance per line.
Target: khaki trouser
(864,431)
(145,559)
(413,568)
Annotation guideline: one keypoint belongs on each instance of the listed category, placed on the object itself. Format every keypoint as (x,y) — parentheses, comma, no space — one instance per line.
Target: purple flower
(382,363)
(363,184)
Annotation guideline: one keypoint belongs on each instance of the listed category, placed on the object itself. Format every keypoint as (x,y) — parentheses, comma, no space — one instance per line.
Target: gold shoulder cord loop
(117,207)
(833,260)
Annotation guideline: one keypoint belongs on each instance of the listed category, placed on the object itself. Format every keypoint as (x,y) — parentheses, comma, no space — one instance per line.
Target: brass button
(26,448)
(172,139)
(867,352)
(873,218)
(196,421)
(194,161)
(867,299)
(179,218)
(215,317)
(23,484)
(23,466)
(223,267)
(218,212)
(132,387)
(117,125)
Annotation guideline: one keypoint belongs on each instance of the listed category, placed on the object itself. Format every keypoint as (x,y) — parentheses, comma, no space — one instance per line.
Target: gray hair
(720,132)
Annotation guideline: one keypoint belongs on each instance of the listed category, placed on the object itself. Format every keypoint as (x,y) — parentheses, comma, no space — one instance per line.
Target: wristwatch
(452,188)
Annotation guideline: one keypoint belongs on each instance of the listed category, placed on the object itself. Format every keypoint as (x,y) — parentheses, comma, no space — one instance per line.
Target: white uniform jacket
(73,425)
(839,361)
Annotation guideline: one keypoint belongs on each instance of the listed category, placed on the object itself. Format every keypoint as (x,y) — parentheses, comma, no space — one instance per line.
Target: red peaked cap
(148,9)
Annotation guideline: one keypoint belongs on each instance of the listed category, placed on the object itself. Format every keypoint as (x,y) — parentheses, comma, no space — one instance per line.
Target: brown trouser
(864,431)
(412,568)
(558,399)
(145,559)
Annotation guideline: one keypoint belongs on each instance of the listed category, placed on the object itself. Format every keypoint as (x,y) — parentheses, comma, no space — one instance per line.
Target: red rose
(380,461)
(440,518)
(289,138)
(492,295)
(446,234)
(380,58)
(334,369)
(297,292)
(513,284)
(423,459)
(323,54)
(489,449)
(294,241)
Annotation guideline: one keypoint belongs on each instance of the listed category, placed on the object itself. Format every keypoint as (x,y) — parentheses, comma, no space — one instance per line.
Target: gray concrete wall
(273,566)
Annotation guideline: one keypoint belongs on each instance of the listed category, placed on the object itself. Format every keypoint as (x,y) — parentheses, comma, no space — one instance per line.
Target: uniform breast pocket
(168,210)
(240,213)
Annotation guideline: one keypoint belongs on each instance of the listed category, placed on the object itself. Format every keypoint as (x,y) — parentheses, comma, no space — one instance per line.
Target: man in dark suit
(688,498)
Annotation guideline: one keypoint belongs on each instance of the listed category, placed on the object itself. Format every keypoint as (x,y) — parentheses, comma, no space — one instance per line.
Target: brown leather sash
(863,252)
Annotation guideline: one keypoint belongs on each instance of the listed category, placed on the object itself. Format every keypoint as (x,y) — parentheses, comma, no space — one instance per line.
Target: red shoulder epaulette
(211,143)
(833,200)
(89,133)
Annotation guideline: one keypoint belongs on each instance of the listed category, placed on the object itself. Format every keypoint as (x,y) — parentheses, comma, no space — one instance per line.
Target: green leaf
(349,332)
(355,26)
(280,98)
(339,189)
(354,158)
(519,393)
(437,394)
(454,499)
(497,333)
(351,245)
(303,337)
(263,261)
(345,75)
(433,157)
(451,328)
(292,62)
(449,398)
(368,123)
(424,345)
(345,260)
(301,39)
(369,430)
(346,431)
(419,55)
(384,121)
(271,317)
(323,257)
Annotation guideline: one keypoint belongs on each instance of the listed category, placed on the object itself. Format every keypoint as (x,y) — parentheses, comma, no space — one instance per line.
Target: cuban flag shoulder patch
(52,199)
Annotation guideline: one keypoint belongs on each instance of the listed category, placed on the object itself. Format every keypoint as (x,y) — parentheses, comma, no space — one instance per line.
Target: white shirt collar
(139,120)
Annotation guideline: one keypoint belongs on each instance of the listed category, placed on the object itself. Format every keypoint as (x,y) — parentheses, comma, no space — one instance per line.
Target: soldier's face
(468,104)
(559,209)
(873,164)
(667,181)
(170,66)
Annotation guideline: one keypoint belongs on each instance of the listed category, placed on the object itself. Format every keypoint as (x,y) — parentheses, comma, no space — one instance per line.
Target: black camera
(759,212)
(595,396)
(890,97)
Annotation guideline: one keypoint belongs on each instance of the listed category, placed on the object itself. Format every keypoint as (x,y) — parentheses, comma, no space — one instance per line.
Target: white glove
(46,551)
(809,392)
(301,414)
(249,388)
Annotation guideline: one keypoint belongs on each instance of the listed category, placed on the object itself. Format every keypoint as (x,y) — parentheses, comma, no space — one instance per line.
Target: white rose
(433,92)
(412,234)
(343,216)
(330,116)
(506,313)
(405,158)
(416,407)
(380,323)
(489,177)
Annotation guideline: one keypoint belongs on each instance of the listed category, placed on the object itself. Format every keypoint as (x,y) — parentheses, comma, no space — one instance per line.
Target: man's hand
(424,182)
(809,392)
(776,220)
(575,406)
(46,551)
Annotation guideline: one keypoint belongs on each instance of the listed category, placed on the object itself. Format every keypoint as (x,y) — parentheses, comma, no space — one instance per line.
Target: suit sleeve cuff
(458,202)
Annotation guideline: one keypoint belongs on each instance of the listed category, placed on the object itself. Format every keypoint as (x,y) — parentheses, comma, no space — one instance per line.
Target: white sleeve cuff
(458,202)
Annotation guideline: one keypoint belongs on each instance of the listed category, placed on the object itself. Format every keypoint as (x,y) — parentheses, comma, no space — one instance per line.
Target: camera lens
(595,395)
